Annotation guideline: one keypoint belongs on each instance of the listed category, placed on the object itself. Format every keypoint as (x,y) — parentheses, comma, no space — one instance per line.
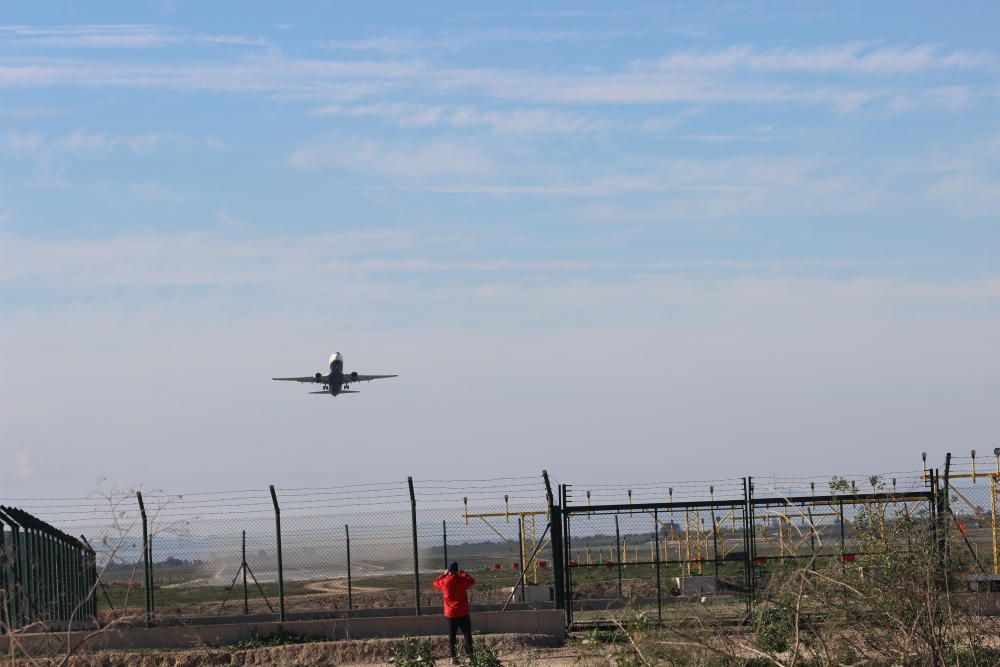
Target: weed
(485,655)
(412,652)
(279,638)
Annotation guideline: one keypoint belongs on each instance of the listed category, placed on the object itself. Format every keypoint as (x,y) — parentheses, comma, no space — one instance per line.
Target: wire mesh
(374,546)
(343,547)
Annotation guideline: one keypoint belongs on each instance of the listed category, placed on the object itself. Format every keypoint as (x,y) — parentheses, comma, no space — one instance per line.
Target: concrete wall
(549,622)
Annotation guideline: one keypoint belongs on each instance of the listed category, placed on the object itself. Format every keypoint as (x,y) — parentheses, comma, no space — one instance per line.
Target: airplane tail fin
(319,392)
(349,391)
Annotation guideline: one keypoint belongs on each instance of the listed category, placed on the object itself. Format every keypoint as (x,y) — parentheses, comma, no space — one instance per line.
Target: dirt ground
(512,649)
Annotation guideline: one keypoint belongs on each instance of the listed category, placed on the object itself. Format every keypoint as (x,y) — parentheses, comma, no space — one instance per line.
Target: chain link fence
(591,549)
(374,546)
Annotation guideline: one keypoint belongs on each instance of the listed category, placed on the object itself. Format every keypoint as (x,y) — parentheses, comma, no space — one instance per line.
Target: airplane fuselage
(338,381)
(336,374)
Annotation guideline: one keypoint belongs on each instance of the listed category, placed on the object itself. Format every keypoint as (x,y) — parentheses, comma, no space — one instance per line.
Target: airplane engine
(354,375)
(319,376)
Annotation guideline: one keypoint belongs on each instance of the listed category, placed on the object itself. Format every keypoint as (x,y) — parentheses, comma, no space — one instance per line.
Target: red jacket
(454,587)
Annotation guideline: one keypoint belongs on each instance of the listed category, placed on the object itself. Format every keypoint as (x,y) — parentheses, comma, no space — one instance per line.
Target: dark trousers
(464,624)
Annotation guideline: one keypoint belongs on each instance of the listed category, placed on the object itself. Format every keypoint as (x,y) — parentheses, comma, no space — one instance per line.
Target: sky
(656,241)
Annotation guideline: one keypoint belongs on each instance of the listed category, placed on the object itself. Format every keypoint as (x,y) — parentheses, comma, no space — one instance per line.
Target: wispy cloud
(414,162)
(112,36)
(458,41)
(513,121)
(229,220)
(738,75)
(234,258)
(855,57)
(86,143)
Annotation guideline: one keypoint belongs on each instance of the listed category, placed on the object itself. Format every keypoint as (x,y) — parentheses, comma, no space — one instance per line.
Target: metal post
(568,552)
(520,545)
(843,538)
(4,586)
(93,581)
(556,521)
(618,555)
(524,570)
(752,537)
(243,566)
(812,523)
(444,536)
(17,590)
(281,569)
(416,557)
(946,506)
(147,575)
(31,553)
(350,591)
(715,538)
(659,590)
(935,508)
(993,523)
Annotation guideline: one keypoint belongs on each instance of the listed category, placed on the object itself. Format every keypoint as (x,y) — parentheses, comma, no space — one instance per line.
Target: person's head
(453,568)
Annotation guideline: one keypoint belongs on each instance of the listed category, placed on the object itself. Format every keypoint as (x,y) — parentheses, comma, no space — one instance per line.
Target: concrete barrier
(550,622)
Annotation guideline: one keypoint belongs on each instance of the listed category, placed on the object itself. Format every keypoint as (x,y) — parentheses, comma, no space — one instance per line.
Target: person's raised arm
(469,581)
(439,582)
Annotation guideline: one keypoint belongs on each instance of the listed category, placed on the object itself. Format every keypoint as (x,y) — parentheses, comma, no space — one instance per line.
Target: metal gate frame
(562,510)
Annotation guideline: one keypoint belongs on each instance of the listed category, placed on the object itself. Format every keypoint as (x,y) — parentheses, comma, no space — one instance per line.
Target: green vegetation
(485,655)
(280,638)
(412,652)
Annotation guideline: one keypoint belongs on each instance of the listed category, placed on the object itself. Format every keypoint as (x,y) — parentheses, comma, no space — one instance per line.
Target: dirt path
(339,587)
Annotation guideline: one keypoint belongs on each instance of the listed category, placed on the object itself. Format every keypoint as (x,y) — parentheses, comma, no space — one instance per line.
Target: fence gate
(649,554)
(717,545)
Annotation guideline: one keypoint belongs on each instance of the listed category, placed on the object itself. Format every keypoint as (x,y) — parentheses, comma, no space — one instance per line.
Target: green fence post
(4,590)
(416,557)
(281,570)
(555,519)
(350,593)
(444,536)
(618,554)
(147,576)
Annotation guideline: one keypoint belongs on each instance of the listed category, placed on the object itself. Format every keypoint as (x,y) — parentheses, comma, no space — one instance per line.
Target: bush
(774,629)
(412,652)
(485,655)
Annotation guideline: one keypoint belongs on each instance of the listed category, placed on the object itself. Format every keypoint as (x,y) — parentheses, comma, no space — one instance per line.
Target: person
(454,585)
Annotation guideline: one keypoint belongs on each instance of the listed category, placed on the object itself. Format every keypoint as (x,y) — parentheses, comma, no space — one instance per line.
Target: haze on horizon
(657,243)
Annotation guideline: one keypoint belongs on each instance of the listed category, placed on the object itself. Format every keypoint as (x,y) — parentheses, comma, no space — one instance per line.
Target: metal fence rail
(45,574)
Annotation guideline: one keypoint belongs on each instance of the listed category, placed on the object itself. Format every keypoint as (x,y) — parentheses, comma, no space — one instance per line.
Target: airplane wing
(348,378)
(307,378)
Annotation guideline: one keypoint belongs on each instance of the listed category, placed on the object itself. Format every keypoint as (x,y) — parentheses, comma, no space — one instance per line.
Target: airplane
(337,381)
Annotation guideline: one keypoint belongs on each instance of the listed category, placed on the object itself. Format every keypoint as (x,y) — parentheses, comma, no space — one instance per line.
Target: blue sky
(723,238)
